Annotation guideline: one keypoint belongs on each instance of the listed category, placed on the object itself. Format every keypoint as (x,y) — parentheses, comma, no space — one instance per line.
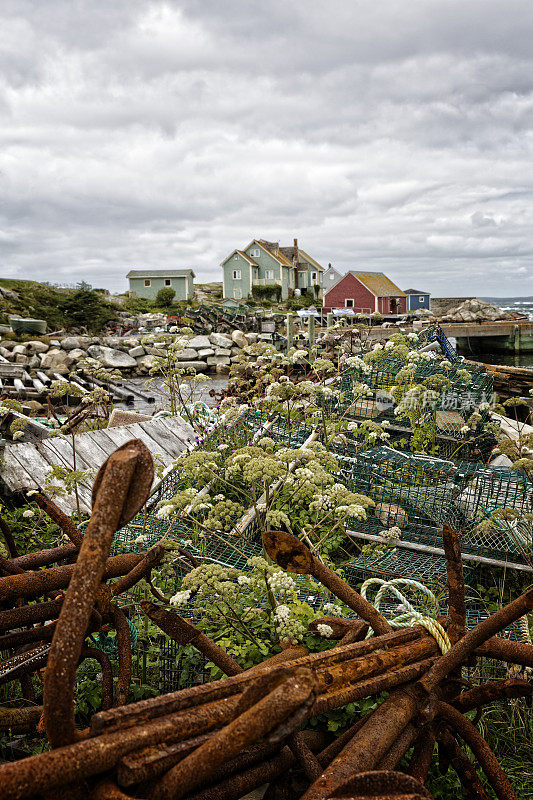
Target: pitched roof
(330,284)
(159,273)
(243,255)
(378,284)
(414,291)
(275,251)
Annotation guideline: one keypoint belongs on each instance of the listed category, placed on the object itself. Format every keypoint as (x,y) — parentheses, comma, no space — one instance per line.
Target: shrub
(164,298)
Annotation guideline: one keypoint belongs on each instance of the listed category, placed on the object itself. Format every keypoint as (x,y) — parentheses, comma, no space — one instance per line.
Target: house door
(394,305)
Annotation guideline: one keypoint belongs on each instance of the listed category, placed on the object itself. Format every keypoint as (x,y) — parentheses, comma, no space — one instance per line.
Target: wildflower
(243,580)
(325,630)
(32,492)
(331,608)
(282,612)
(465,429)
(164,511)
(28,513)
(180,598)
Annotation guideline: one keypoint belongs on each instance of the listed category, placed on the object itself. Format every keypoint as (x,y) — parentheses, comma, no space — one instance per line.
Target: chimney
(329,266)
(296,251)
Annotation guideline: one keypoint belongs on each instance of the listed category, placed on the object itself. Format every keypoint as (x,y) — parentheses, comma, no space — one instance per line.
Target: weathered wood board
(26,466)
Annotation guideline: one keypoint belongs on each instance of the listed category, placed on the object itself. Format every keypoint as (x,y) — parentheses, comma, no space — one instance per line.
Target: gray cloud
(384,135)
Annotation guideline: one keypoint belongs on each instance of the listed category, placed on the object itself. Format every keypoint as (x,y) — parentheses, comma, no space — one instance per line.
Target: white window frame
(314,277)
(255,252)
(168,282)
(147,283)
(236,257)
(237,274)
(348,301)
(332,276)
(421,298)
(269,274)
(237,294)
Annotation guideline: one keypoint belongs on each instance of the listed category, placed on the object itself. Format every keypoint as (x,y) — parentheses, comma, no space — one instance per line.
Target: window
(421,298)
(237,294)
(236,257)
(269,274)
(349,302)
(236,274)
(313,277)
(147,282)
(168,282)
(332,277)
(255,252)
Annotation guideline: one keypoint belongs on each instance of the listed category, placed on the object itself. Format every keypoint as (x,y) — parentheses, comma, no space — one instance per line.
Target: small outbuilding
(147,282)
(416,299)
(366,292)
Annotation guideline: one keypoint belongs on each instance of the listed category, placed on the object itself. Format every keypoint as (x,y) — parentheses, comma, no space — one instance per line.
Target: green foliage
(164,298)
(86,308)
(268,292)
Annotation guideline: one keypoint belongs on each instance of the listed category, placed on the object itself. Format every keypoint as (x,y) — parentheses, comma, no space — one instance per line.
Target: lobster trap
(416,494)
(447,396)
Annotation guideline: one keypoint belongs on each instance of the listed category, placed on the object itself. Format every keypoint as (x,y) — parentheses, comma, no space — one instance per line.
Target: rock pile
(469,310)
(210,353)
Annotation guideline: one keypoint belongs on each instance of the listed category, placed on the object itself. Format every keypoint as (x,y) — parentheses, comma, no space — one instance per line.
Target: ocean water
(523,305)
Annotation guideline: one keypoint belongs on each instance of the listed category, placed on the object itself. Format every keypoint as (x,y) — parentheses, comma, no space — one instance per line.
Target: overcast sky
(390,135)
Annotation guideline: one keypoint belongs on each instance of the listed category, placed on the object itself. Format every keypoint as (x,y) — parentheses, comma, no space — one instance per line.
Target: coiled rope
(410,617)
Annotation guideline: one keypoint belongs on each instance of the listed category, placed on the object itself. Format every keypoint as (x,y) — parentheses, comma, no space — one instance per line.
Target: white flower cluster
(28,514)
(332,609)
(164,511)
(286,627)
(180,598)
(358,363)
(281,584)
(324,630)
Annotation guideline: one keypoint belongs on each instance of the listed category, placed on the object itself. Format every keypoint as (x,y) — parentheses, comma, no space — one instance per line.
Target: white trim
(224,281)
(147,283)
(237,275)
(347,300)
(186,288)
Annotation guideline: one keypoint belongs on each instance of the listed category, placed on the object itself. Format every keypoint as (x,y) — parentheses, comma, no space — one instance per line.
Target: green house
(264,263)
(147,282)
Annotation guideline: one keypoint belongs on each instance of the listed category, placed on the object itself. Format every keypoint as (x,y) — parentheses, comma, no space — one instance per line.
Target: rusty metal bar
(114,498)
(462,765)
(66,524)
(44,558)
(382,785)
(291,554)
(125,666)
(185,633)
(475,637)
(28,615)
(8,538)
(422,754)
(456,585)
(486,758)
(142,570)
(33,584)
(20,720)
(495,690)
(107,673)
(506,650)
(259,720)
(369,745)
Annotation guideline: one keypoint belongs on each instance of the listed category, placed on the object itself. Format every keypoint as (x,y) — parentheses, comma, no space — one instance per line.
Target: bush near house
(268,292)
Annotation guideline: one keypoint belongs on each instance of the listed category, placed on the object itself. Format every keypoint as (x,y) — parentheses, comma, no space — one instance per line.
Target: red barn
(367,292)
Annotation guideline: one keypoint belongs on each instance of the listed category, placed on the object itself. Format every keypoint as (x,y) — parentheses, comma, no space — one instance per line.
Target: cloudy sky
(384,134)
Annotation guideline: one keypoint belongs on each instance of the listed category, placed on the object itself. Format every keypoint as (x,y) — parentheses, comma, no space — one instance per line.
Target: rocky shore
(213,353)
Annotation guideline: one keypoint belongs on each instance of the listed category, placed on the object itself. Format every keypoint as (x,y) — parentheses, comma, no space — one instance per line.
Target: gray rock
(145,363)
(37,347)
(206,351)
(239,338)
(235,350)
(222,369)
(215,361)
(188,354)
(199,342)
(5,353)
(53,359)
(135,352)
(20,358)
(199,366)
(223,351)
(154,351)
(35,362)
(70,343)
(115,359)
(8,294)
(220,339)
(55,343)
(234,359)
(19,350)
(251,338)
(73,356)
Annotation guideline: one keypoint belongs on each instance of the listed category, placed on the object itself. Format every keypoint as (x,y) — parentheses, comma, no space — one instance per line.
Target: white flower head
(28,513)
(325,630)
(180,598)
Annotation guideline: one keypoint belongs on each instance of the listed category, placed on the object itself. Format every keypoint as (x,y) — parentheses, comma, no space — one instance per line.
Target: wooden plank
(119,435)
(15,474)
(153,446)
(180,428)
(165,439)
